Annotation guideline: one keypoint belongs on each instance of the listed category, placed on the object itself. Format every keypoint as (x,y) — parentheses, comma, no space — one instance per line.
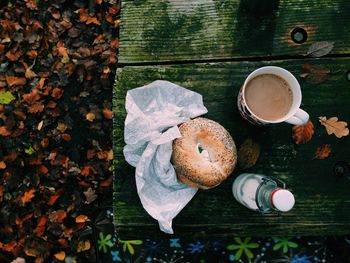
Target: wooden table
(210,47)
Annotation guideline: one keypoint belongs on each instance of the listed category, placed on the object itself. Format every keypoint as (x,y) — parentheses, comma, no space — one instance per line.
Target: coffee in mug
(271,95)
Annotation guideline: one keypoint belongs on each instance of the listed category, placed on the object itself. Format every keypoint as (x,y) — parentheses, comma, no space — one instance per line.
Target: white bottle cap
(283,200)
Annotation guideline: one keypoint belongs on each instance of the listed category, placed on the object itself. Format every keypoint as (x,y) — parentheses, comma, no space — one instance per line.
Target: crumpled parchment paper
(153,113)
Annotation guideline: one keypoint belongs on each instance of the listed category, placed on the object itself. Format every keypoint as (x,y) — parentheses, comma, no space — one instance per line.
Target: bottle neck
(264,196)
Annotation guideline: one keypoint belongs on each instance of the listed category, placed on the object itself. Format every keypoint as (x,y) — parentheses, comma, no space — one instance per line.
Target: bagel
(205,155)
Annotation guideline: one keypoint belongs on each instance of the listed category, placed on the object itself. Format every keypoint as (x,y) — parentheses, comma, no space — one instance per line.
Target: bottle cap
(282,200)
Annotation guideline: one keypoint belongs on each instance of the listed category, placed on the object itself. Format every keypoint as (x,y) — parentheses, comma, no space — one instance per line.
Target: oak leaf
(27,196)
(323,151)
(248,154)
(334,126)
(31,97)
(36,107)
(303,133)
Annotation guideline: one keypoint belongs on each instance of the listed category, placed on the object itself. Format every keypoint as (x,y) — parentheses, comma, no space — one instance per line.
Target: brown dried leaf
(334,126)
(303,133)
(86,18)
(57,93)
(36,107)
(15,81)
(323,152)
(321,48)
(27,196)
(30,74)
(314,74)
(31,97)
(248,154)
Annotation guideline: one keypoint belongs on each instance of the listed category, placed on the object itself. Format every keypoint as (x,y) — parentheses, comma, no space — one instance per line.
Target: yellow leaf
(83,246)
(60,255)
(334,126)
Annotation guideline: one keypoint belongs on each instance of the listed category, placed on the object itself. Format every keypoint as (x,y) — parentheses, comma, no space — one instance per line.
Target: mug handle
(299,118)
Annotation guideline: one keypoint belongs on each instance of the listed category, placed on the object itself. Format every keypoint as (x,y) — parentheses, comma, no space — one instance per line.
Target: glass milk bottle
(262,193)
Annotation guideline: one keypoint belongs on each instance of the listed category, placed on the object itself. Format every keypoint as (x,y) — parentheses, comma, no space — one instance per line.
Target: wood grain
(322,200)
(182,30)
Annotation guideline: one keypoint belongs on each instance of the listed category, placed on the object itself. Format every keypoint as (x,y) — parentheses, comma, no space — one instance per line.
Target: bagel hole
(203,152)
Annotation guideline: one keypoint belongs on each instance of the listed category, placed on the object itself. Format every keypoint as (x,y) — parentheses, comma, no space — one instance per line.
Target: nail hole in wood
(299,35)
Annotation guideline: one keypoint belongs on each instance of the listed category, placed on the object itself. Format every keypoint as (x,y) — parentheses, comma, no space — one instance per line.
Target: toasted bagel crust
(192,167)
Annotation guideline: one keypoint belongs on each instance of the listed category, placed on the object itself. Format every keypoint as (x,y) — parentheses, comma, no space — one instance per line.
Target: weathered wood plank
(182,30)
(322,201)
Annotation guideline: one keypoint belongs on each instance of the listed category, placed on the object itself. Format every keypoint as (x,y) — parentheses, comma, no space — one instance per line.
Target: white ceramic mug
(295,115)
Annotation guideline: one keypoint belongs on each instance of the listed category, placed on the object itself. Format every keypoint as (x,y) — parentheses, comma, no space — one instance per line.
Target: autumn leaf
(31,4)
(4,131)
(334,126)
(27,196)
(60,255)
(15,81)
(86,18)
(107,113)
(303,133)
(90,195)
(31,97)
(57,93)
(53,199)
(2,165)
(90,117)
(248,154)
(6,97)
(314,74)
(81,219)
(83,246)
(30,74)
(36,107)
(319,49)
(323,152)
(57,216)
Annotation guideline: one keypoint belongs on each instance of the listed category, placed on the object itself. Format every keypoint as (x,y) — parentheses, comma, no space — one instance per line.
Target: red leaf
(303,133)
(323,151)
(53,199)
(27,196)
(57,93)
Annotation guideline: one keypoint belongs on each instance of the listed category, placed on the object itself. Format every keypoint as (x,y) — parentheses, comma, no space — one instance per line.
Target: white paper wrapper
(153,113)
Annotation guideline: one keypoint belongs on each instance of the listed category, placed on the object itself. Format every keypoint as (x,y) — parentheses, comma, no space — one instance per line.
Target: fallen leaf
(53,199)
(83,246)
(86,18)
(57,216)
(27,196)
(314,74)
(30,74)
(319,49)
(31,4)
(90,116)
(15,81)
(6,97)
(40,125)
(334,126)
(107,113)
(42,82)
(303,133)
(36,107)
(66,137)
(31,97)
(2,165)
(20,222)
(57,93)
(90,195)
(323,152)
(60,255)
(81,219)
(4,131)
(248,154)
(40,228)
(9,246)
